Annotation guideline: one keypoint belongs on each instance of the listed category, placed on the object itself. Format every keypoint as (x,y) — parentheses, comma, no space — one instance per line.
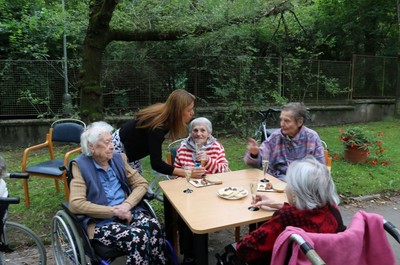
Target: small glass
(203,160)
(265,164)
(188,175)
(253,191)
(199,147)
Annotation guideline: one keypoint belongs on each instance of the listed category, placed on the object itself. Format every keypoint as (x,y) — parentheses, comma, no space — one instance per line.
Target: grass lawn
(350,179)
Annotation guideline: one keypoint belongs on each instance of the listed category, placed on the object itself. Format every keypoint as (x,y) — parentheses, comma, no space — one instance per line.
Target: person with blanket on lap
(312,206)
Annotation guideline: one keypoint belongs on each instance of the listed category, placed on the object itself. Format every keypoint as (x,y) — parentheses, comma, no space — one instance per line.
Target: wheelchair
(357,244)
(71,244)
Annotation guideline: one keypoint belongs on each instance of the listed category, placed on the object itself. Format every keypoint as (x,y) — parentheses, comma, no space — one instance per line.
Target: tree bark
(95,43)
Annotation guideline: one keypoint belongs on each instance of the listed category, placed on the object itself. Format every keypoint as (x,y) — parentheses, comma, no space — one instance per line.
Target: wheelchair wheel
(26,246)
(66,242)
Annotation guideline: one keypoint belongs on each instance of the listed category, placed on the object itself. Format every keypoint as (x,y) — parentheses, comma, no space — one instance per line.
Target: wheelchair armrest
(149,196)
(77,217)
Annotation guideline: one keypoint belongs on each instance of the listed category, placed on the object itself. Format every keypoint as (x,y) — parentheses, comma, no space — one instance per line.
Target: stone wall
(23,133)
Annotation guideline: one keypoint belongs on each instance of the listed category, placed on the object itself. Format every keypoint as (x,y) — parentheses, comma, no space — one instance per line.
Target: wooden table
(205,212)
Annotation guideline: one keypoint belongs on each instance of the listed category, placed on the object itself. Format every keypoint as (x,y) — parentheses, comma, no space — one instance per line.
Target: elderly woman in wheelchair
(107,190)
(312,206)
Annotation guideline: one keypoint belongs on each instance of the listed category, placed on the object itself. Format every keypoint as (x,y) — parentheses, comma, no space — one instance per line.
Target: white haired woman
(213,153)
(109,191)
(312,206)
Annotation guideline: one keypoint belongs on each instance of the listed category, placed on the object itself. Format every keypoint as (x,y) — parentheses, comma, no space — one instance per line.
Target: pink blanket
(364,242)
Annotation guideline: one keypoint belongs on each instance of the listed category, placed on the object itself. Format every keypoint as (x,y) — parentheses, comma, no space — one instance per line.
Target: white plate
(232,193)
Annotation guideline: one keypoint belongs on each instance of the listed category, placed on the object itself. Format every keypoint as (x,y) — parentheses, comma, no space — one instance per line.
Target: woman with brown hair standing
(145,134)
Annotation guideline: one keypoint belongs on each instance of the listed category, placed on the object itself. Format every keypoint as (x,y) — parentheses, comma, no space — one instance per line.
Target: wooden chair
(328,157)
(65,131)
(171,153)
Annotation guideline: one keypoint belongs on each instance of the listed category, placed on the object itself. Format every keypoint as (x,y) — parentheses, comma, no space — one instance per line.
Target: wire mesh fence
(36,88)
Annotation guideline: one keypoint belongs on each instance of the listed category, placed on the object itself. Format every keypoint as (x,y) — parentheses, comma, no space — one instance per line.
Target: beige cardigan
(78,203)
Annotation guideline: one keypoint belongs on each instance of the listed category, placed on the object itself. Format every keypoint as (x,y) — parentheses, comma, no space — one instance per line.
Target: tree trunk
(398,63)
(96,40)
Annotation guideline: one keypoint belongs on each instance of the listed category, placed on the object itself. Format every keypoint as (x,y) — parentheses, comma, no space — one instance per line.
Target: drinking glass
(188,175)
(203,160)
(253,191)
(265,164)
(199,147)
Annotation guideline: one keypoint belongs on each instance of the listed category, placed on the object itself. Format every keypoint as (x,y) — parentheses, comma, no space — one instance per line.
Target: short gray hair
(201,121)
(311,183)
(3,167)
(92,134)
(299,110)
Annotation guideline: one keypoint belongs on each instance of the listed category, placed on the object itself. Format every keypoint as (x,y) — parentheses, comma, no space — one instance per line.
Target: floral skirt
(142,241)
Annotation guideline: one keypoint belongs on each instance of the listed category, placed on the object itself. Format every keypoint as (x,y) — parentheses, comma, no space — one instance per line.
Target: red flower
(335,156)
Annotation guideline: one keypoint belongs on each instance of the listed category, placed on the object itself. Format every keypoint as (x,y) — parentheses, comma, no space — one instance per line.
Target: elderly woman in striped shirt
(211,155)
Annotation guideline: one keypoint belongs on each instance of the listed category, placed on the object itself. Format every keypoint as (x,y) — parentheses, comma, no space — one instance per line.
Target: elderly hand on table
(264,200)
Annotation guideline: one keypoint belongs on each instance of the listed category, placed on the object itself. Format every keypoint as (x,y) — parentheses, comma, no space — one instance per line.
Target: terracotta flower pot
(355,155)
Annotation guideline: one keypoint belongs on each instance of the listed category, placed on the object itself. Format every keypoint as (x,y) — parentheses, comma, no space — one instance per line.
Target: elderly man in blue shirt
(293,141)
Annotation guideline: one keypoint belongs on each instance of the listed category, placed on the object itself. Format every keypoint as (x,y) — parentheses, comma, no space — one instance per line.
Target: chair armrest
(69,154)
(34,148)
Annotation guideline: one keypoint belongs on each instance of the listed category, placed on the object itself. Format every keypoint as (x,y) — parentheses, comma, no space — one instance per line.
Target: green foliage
(33,30)
(239,80)
(355,137)
(366,27)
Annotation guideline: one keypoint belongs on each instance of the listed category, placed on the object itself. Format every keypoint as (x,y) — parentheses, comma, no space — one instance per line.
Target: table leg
(170,218)
(201,248)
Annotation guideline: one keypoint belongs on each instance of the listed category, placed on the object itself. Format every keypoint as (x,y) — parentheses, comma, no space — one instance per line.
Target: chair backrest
(328,158)
(171,153)
(67,130)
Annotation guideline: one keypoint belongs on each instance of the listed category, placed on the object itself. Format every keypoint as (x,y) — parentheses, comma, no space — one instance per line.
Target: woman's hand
(252,146)
(201,156)
(262,199)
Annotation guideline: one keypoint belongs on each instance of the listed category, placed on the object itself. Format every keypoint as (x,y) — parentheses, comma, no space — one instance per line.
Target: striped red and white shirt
(216,162)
